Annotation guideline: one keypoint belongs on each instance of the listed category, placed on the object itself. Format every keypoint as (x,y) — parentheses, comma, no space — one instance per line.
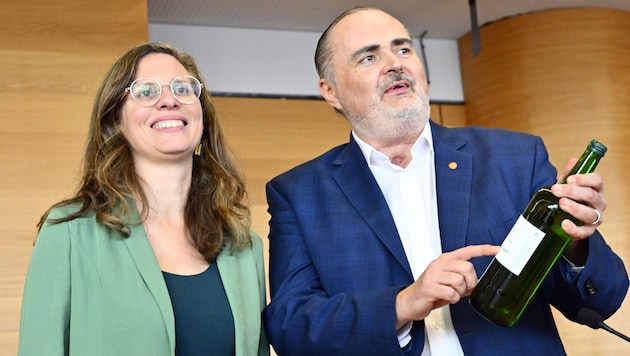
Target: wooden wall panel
(451,115)
(270,136)
(564,75)
(53,55)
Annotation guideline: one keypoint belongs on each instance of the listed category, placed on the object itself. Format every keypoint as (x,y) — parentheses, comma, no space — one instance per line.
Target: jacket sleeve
(601,285)
(45,317)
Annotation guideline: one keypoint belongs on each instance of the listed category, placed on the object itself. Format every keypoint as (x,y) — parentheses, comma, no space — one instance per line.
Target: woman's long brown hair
(215,211)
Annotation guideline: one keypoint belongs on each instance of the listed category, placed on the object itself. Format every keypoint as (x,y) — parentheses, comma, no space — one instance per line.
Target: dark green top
(203,318)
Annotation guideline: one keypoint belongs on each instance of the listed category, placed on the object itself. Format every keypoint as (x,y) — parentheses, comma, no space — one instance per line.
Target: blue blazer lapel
(352,174)
(453,170)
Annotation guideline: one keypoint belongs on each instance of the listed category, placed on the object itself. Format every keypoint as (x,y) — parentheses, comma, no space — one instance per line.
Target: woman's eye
(145,91)
(182,89)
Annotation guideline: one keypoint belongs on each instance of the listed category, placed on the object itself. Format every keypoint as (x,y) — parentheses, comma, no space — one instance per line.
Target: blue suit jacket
(337,262)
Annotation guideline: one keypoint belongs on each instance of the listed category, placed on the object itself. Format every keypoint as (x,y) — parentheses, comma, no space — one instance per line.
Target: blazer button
(590,286)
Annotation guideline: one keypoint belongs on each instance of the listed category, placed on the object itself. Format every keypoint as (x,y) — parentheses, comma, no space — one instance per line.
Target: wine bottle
(528,253)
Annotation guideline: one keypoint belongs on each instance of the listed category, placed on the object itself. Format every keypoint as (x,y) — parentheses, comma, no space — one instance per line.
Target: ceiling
(447,19)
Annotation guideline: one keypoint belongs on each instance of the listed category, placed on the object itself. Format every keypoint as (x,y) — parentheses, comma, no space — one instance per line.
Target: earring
(198,150)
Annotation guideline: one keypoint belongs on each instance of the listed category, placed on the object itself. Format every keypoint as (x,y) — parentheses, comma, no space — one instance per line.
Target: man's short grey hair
(324,50)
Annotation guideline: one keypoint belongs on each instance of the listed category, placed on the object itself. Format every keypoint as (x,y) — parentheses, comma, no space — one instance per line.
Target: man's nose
(393,63)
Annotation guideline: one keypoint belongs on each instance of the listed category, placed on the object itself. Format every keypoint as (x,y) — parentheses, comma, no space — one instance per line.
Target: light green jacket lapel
(142,254)
(89,291)
(244,282)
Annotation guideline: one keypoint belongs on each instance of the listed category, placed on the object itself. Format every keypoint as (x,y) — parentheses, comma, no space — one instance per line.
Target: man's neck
(398,149)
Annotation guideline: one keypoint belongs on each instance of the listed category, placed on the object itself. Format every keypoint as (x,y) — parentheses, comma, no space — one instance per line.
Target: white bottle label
(519,245)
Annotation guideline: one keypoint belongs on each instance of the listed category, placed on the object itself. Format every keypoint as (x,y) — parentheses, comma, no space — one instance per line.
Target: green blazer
(90,291)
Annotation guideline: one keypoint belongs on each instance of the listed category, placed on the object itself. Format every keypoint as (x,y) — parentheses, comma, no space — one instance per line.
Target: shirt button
(438,325)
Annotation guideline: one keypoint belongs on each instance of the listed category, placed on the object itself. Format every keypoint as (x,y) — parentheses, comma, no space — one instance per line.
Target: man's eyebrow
(375,47)
(401,41)
(366,49)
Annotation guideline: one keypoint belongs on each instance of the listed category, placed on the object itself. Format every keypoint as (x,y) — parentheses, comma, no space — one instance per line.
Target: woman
(154,254)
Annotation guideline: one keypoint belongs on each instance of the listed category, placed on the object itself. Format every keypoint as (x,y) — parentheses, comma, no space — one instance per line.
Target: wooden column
(564,75)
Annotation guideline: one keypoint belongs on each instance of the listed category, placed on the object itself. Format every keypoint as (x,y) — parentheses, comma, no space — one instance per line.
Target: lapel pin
(452,165)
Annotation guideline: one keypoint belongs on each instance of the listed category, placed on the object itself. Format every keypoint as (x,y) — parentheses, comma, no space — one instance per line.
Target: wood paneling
(564,75)
(53,55)
(270,136)
(450,115)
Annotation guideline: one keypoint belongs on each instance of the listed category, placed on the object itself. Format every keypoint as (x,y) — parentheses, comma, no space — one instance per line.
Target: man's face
(379,83)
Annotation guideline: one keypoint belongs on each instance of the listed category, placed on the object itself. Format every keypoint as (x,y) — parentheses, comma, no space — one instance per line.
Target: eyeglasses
(147,91)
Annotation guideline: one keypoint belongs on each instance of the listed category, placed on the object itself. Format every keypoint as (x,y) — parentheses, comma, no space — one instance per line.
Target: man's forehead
(368,27)
(370,16)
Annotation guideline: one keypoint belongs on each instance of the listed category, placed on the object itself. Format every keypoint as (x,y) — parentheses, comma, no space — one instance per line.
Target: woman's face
(168,130)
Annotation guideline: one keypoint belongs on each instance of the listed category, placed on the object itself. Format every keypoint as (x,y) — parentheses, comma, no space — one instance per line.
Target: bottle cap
(597,148)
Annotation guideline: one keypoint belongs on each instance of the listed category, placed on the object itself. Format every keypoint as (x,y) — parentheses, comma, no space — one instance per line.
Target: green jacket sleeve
(45,317)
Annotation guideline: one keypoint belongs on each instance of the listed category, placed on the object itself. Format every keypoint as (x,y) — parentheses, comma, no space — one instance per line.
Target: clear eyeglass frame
(148,91)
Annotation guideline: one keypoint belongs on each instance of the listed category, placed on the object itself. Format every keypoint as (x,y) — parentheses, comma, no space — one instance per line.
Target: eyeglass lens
(147,91)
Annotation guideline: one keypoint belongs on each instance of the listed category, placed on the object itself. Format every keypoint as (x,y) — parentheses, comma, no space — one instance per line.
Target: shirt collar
(373,156)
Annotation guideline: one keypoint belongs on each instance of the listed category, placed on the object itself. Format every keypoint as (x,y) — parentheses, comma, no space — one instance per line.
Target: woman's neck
(166,188)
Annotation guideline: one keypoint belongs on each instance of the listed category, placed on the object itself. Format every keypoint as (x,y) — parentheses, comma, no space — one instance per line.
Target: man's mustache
(395,77)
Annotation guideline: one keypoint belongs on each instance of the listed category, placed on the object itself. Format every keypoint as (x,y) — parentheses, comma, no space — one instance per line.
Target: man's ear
(329,93)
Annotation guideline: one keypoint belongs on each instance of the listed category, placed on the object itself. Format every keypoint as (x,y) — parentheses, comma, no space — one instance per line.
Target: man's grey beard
(382,122)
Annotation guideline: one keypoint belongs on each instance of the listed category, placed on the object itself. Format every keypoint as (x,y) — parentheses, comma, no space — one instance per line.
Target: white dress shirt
(412,199)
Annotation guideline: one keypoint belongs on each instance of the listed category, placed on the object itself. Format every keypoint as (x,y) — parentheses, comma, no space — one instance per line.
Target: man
(376,245)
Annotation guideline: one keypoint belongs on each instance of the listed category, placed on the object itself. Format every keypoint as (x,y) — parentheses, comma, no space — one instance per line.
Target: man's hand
(583,198)
(446,280)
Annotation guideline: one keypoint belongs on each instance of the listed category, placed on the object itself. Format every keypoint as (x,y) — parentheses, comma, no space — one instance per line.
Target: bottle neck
(585,164)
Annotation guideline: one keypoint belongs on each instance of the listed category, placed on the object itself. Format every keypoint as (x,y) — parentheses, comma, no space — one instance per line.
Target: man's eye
(404,51)
(366,59)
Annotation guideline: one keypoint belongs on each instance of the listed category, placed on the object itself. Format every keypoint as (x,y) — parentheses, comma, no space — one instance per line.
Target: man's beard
(384,122)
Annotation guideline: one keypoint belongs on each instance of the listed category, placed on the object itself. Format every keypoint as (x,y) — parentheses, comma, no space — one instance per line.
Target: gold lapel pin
(452,165)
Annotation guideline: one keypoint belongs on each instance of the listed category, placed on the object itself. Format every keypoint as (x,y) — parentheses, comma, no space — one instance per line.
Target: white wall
(280,63)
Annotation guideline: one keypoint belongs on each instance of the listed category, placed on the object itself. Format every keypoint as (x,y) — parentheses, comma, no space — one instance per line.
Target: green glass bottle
(529,251)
